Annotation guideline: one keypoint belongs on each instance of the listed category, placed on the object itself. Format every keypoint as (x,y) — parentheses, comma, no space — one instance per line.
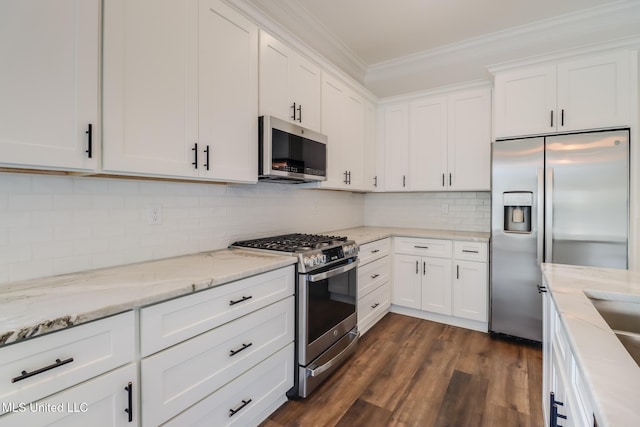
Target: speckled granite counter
(612,375)
(34,307)
(364,235)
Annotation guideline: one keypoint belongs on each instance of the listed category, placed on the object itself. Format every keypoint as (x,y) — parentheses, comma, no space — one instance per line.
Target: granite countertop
(611,373)
(35,307)
(364,235)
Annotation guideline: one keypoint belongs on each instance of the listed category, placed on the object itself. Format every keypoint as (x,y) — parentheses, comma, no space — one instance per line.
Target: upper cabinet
(49,84)
(585,93)
(289,84)
(180,90)
(344,121)
(438,143)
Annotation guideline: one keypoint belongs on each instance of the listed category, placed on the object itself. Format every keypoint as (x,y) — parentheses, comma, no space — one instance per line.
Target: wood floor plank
(412,372)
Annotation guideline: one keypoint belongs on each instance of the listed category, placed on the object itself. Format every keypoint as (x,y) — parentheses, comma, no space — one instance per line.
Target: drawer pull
(26,374)
(232,412)
(421,247)
(129,409)
(375,251)
(375,276)
(470,252)
(243,299)
(375,305)
(244,347)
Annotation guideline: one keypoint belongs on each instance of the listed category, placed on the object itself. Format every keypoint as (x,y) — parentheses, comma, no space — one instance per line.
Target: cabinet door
(275,70)
(49,83)
(353,123)
(436,285)
(594,92)
(102,401)
(150,87)
(372,171)
(428,144)
(524,101)
(470,290)
(333,110)
(469,136)
(406,281)
(306,83)
(395,132)
(228,94)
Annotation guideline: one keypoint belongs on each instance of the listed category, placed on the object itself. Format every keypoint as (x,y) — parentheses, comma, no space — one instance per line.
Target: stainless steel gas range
(326,329)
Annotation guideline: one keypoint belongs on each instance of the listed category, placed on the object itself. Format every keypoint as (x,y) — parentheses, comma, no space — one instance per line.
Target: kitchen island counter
(611,374)
(34,307)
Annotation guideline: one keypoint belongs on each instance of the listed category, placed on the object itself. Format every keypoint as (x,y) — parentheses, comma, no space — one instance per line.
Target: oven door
(327,309)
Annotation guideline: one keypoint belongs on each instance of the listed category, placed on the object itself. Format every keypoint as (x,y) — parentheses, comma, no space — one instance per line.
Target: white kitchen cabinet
(289,84)
(49,84)
(180,90)
(107,400)
(195,346)
(589,92)
(393,126)
(561,374)
(441,280)
(45,365)
(374,274)
(439,142)
(343,122)
(373,155)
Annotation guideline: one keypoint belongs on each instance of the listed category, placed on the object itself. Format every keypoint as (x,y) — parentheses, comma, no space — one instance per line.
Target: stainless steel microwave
(290,153)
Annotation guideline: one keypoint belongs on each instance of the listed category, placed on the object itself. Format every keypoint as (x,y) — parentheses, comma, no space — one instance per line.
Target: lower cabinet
(107,400)
(441,280)
(203,377)
(565,396)
(374,286)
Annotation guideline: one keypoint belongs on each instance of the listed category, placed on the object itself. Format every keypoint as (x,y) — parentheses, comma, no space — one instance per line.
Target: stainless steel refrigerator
(561,199)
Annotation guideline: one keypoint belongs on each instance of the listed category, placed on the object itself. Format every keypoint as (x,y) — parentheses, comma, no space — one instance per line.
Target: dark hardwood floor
(412,372)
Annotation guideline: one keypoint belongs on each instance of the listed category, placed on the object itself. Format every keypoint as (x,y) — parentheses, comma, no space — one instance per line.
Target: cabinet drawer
(176,378)
(88,350)
(98,402)
(373,250)
(372,306)
(168,323)
(470,251)
(373,275)
(423,247)
(246,398)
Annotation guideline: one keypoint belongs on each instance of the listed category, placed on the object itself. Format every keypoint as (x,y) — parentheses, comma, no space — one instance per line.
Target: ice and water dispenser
(517,211)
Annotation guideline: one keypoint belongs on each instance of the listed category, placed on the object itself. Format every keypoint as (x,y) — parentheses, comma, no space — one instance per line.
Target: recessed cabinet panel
(395,130)
(470,300)
(436,285)
(428,153)
(49,84)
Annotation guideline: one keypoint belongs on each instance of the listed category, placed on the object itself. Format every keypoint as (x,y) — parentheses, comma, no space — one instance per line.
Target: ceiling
(366,36)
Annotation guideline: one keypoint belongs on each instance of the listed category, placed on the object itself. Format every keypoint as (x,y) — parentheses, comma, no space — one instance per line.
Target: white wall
(56,224)
(467,211)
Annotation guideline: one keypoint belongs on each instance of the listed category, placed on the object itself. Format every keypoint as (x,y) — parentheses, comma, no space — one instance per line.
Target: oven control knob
(322,259)
(308,261)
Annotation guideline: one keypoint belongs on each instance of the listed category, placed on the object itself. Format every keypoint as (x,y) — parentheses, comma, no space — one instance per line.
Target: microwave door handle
(332,273)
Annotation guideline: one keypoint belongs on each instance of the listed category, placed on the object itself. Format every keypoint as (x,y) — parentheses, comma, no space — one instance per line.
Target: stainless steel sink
(622,314)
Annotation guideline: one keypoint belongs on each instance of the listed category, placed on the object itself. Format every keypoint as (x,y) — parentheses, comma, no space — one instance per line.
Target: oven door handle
(338,358)
(332,273)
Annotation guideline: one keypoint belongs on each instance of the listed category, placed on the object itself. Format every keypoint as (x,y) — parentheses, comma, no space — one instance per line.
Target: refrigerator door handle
(548,223)
(540,218)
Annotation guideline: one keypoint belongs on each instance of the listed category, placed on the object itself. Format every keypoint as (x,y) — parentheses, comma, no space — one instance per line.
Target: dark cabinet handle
(375,276)
(244,347)
(541,289)
(243,299)
(375,305)
(450,180)
(24,374)
(562,117)
(404,180)
(349,174)
(299,113)
(424,268)
(417,267)
(375,251)
(457,271)
(206,152)
(129,409)
(375,181)
(443,180)
(469,251)
(232,412)
(89,133)
(551,118)
(195,153)
(293,107)
(421,247)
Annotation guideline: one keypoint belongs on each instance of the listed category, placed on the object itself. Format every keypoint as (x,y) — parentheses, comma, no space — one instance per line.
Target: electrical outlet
(445,208)
(155,215)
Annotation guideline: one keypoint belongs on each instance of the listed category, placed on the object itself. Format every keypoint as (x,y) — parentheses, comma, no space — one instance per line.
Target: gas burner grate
(291,242)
